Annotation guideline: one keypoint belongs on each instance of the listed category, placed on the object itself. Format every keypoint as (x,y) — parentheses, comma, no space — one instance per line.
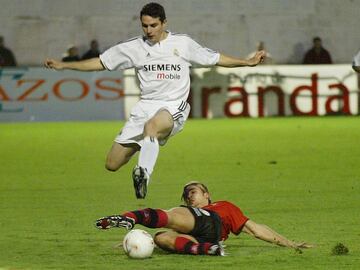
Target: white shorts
(133,130)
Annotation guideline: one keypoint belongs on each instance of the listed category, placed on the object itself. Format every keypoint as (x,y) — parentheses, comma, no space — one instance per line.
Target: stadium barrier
(275,91)
(279,90)
(37,94)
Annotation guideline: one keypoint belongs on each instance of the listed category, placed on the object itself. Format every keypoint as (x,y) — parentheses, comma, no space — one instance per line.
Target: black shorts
(207,225)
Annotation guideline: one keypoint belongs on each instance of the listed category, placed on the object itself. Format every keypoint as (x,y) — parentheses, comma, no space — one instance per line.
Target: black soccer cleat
(115,221)
(140,179)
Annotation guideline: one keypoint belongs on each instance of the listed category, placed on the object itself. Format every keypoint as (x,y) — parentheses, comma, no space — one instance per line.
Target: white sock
(148,154)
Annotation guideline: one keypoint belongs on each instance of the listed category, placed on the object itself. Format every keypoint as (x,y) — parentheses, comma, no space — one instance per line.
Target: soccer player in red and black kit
(199,227)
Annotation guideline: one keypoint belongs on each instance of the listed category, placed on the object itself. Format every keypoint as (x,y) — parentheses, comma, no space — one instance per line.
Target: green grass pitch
(300,176)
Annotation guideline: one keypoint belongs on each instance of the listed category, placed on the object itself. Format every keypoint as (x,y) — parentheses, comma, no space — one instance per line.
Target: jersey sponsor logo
(162,67)
(165,76)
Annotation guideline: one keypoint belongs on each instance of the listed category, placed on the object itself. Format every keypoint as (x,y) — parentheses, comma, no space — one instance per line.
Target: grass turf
(300,176)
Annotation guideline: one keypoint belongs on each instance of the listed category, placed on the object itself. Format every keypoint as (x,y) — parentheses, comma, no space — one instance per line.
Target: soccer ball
(138,244)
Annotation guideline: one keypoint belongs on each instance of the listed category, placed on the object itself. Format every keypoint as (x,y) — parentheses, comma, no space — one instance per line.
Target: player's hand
(51,63)
(303,245)
(258,58)
(299,246)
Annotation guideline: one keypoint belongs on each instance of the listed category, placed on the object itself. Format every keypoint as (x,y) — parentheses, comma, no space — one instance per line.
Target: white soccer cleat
(217,250)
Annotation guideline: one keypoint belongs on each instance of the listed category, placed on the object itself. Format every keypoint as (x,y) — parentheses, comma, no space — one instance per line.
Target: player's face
(153,28)
(196,197)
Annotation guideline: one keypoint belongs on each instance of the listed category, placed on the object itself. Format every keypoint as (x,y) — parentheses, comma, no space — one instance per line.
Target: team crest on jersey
(148,54)
(176,52)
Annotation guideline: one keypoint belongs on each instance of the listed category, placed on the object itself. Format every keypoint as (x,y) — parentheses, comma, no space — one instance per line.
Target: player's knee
(163,240)
(112,166)
(159,238)
(150,129)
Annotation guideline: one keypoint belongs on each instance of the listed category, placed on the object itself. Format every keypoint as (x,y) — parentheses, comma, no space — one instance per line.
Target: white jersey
(163,69)
(356,60)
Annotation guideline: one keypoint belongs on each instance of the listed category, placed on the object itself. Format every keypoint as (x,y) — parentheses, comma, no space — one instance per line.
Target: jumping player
(199,227)
(162,60)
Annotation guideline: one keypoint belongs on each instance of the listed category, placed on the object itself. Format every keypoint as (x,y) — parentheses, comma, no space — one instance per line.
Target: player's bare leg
(179,219)
(119,155)
(184,243)
(166,240)
(158,127)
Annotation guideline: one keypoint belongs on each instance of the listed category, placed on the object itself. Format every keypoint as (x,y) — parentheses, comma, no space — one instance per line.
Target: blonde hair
(194,183)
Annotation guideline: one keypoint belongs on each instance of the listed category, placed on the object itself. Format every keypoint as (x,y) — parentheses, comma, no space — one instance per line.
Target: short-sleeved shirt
(232,218)
(163,68)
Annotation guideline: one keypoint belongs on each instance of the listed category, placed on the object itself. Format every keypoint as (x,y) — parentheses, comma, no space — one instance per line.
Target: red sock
(186,246)
(151,218)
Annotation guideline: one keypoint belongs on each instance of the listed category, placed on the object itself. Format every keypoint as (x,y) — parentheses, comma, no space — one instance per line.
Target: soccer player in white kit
(162,61)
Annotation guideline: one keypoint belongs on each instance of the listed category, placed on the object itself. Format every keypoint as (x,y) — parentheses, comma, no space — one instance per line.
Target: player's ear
(207,196)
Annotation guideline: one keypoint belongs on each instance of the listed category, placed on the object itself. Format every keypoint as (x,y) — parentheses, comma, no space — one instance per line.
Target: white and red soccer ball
(138,244)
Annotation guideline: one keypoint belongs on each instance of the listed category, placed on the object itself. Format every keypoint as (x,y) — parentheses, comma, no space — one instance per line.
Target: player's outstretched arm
(93,64)
(229,61)
(265,233)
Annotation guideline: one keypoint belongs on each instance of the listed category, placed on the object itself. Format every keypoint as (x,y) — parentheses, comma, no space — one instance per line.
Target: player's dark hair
(316,39)
(154,10)
(185,192)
